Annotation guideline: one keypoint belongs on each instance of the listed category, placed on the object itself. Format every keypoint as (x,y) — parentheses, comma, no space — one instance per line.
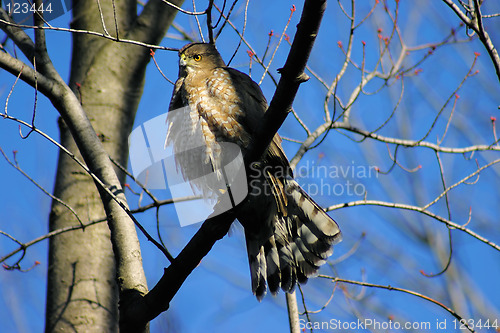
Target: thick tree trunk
(108,77)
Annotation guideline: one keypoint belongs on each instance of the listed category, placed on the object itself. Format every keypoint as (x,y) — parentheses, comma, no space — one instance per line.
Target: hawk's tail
(301,242)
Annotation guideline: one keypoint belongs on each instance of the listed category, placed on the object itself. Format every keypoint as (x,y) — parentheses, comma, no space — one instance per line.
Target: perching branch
(214,228)
(292,75)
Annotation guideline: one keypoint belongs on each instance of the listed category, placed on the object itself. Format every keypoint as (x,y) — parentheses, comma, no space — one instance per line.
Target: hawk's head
(199,56)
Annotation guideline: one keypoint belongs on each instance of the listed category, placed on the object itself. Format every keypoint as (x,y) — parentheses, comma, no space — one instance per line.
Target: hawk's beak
(182,60)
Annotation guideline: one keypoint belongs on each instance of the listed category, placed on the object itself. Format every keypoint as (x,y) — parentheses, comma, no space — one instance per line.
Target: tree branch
(4,22)
(156,16)
(17,34)
(476,24)
(396,141)
(449,223)
(123,234)
(27,74)
(486,40)
(458,11)
(292,75)
(293,312)
(406,291)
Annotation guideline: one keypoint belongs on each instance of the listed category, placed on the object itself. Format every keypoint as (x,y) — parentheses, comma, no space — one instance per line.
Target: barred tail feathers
(264,263)
(300,243)
(316,232)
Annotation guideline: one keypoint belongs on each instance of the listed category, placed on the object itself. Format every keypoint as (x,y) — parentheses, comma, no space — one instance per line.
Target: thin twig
(450,242)
(416,209)
(240,34)
(11,90)
(210,28)
(266,69)
(115,19)
(453,94)
(99,183)
(18,168)
(406,291)
(93,33)
(448,189)
(449,120)
(102,18)
(34,104)
(53,233)
(198,23)
(183,10)
(152,53)
(476,25)
(225,18)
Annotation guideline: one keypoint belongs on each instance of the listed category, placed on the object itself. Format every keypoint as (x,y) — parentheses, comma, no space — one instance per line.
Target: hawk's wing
(253,101)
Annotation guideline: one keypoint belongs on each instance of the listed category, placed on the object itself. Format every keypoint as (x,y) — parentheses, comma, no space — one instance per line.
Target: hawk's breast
(211,115)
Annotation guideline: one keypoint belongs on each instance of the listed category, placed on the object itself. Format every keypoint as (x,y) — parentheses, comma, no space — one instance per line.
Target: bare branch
(401,142)
(452,95)
(27,74)
(406,291)
(448,189)
(416,209)
(240,35)
(443,181)
(210,27)
(266,69)
(18,168)
(458,11)
(102,18)
(115,194)
(17,34)
(476,24)
(293,312)
(485,39)
(292,75)
(171,4)
(24,246)
(198,23)
(216,226)
(88,32)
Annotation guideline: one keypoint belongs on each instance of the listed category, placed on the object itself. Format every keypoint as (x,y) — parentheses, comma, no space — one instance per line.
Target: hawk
(288,236)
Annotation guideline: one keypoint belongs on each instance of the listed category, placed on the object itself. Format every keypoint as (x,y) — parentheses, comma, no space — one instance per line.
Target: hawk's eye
(197,57)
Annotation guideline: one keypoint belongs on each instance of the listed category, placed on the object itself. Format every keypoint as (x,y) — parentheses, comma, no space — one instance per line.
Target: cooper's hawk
(288,236)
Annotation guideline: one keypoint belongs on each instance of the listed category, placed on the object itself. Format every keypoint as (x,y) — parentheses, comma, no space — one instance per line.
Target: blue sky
(217,295)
